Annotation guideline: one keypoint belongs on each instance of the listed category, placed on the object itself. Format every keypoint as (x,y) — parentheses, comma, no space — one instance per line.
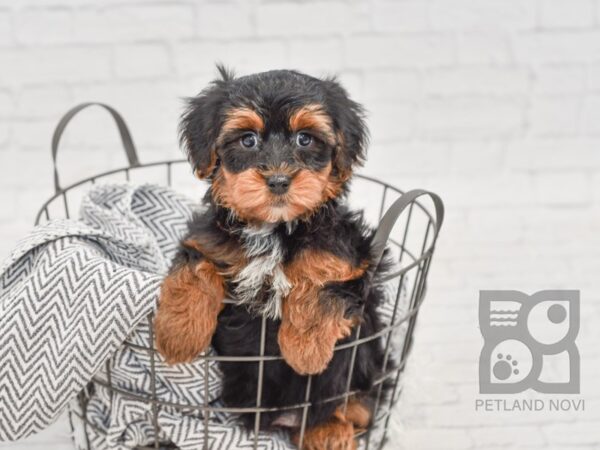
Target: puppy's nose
(278,184)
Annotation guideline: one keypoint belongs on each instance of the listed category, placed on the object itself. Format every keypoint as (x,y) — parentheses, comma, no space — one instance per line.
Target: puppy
(278,149)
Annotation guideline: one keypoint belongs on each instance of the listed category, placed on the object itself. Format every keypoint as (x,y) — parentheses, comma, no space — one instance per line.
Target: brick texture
(494,104)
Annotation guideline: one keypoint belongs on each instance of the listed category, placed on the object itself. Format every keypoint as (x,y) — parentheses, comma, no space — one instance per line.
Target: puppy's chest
(261,283)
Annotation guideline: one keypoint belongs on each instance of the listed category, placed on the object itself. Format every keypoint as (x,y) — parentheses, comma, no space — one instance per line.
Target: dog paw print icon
(529,342)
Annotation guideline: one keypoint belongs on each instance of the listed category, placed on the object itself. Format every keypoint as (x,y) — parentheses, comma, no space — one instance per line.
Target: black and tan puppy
(278,149)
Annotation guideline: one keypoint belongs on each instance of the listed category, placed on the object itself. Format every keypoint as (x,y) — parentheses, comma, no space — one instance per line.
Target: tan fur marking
(203,173)
(343,172)
(190,301)
(236,119)
(308,330)
(283,169)
(358,413)
(307,191)
(313,117)
(335,434)
(242,119)
(228,254)
(248,195)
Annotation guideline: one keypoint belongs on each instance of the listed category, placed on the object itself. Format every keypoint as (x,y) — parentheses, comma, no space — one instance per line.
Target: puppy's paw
(305,352)
(190,301)
(359,412)
(308,352)
(336,434)
(180,338)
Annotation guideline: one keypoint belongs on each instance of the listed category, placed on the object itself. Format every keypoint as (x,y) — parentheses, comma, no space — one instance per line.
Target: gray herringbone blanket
(70,294)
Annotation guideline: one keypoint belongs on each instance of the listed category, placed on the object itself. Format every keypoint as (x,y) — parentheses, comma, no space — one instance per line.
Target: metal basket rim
(381,239)
(381,415)
(170,162)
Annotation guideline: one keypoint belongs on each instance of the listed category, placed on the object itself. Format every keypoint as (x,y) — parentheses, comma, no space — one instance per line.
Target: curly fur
(296,255)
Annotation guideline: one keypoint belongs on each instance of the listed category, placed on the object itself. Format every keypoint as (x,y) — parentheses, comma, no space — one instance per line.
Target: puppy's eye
(249,140)
(304,139)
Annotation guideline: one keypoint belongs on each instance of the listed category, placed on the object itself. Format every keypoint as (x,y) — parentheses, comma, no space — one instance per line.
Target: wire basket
(405,223)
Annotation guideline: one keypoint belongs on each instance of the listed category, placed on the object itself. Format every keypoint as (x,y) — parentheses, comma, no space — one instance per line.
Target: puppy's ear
(351,131)
(201,122)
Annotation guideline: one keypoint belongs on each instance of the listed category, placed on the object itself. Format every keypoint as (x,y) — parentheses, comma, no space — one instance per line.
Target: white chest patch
(264,270)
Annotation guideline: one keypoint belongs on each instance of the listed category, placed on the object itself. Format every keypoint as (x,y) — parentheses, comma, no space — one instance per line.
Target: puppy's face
(275,145)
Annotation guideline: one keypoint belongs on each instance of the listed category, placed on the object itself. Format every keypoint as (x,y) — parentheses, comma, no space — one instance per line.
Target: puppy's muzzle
(278,184)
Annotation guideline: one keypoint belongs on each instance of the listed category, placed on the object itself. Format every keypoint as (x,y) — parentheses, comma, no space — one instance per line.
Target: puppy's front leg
(338,432)
(191,298)
(308,333)
(313,320)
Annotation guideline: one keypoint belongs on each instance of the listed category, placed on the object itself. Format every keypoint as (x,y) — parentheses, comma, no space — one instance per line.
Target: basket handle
(387,222)
(126,139)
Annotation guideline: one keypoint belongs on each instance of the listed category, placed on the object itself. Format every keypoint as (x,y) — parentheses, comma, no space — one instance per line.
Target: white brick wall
(495,104)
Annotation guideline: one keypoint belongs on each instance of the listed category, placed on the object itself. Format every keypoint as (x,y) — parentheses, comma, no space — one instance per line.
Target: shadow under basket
(407,223)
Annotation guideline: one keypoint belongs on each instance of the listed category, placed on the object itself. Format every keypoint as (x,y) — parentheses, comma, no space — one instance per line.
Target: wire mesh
(413,244)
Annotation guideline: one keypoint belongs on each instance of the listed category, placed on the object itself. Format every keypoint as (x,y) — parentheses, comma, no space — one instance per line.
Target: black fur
(341,232)
(332,227)
(273,95)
